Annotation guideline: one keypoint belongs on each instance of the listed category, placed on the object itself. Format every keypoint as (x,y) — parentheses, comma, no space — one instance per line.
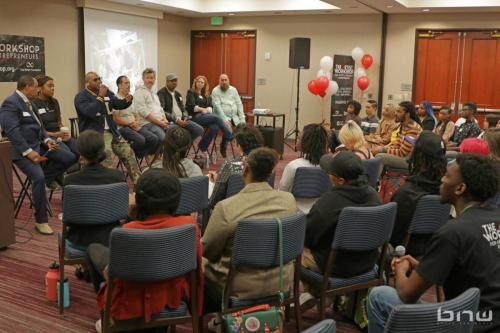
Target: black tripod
(295,130)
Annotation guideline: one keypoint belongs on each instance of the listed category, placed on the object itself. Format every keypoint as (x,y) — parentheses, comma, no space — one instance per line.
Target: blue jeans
(381,301)
(156,130)
(213,123)
(194,129)
(143,142)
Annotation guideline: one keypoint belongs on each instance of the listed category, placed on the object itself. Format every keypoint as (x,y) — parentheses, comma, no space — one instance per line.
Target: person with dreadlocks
(175,148)
(402,139)
(427,166)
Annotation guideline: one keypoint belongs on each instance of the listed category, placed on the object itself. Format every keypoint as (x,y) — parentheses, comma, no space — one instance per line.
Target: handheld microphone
(399,251)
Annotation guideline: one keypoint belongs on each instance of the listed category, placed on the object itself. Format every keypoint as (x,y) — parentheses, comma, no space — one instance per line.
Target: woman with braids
(175,148)
(445,127)
(313,143)
(427,166)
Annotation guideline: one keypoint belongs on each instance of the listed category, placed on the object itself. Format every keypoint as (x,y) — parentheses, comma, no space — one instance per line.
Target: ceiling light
(426,10)
(390,6)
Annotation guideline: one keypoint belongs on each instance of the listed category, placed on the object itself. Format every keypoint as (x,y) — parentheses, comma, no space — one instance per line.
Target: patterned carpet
(23,306)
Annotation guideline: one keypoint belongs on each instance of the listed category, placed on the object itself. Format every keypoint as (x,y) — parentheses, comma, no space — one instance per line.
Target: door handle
(246,98)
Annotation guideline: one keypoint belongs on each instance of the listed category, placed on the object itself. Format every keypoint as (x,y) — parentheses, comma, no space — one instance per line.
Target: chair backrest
(95,204)
(373,169)
(256,241)
(236,183)
(194,195)
(430,214)
(324,326)
(437,317)
(310,182)
(364,228)
(153,254)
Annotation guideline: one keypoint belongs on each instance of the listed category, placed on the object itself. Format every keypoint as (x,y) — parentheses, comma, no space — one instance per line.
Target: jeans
(143,142)
(156,130)
(381,301)
(194,129)
(213,123)
(393,161)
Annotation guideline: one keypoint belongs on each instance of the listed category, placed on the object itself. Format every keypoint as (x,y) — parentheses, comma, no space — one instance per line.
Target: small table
(273,136)
(272,115)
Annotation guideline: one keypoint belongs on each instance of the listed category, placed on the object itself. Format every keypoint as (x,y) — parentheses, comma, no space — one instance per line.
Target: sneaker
(44,228)
(306,300)
(53,185)
(98,326)
(214,325)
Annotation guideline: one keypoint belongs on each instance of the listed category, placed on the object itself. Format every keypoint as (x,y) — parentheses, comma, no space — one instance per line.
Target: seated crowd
(457,161)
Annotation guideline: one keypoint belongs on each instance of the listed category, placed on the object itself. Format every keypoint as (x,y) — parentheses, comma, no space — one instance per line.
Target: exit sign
(216,20)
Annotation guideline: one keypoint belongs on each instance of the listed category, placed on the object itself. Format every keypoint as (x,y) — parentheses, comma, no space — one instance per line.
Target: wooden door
(437,67)
(207,56)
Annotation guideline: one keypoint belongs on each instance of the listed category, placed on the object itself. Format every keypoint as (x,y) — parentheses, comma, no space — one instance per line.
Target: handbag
(261,318)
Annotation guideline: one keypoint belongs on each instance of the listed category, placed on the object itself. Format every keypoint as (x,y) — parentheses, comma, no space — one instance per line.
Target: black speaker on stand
(299,54)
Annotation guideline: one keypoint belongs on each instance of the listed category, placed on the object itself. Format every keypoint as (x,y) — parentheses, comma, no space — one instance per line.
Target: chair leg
(439,296)
(61,287)
(172,329)
(322,307)
(298,313)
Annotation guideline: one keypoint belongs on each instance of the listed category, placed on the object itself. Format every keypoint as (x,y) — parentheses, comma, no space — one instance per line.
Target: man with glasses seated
(469,127)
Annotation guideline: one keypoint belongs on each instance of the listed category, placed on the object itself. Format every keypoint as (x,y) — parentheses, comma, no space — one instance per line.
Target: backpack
(391,181)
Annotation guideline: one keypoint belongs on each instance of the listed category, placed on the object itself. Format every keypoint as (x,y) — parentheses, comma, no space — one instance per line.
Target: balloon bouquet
(360,74)
(323,85)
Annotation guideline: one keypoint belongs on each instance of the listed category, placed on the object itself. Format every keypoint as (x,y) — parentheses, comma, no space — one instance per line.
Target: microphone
(59,140)
(399,251)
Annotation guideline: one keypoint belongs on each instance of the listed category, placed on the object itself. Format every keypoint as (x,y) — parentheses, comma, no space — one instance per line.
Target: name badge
(200,97)
(106,99)
(26,114)
(42,111)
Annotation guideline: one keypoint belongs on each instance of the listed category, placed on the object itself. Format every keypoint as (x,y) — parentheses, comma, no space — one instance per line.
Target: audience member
(49,113)
(352,139)
(474,146)
(175,112)
(90,144)
(461,255)
(93,106)
(445,127)
(369,124)
(427,166)
(491,121)
(492,138)
(426,115)
(148,105)
(199,107)
(143,141)
(402,138)
(353,108)
(469,129)
(175,149)
(382,135)
(349,189)
(32,146)
(247,139)
(256,201)
(227,105)
(158,194)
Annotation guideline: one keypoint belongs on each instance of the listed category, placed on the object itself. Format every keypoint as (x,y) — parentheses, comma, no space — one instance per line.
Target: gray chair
(236,183)
(256,246)
(373,169)
(88,205)
(141,255)
(194,198)
(423,318)
(324,326)
(310,182)
(358,229)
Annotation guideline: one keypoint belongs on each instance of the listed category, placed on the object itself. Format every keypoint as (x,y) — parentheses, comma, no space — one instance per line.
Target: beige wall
(401,43)
(330,34)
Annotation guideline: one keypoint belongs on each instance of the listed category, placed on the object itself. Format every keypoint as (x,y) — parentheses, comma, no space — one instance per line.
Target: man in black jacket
(175,112)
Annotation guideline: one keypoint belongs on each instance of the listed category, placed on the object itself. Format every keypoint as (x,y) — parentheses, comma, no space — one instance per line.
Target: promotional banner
(21,55)
(343,74)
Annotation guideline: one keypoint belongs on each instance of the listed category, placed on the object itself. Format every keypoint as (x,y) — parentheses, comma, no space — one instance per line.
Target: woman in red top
(157,197)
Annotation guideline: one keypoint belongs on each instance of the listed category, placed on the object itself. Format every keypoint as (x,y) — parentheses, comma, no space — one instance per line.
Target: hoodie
(406,197)
(322,221)
(146,102)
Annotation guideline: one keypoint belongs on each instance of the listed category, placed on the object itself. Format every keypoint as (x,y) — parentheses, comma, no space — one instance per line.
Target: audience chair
(88,205)
(149,256)
(373,169)
(325,326)
(236,183)
(194,198)
(256,246)
(423,318)
(309,184)
(358,229)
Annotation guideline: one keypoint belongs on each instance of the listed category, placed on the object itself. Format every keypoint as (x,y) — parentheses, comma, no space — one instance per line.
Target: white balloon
(357,53)
(359,73)
(326,63)
(332,89)
(321,72)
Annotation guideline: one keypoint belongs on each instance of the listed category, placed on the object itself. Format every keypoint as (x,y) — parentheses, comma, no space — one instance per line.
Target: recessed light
(390,6)
(426,10)
(231,14)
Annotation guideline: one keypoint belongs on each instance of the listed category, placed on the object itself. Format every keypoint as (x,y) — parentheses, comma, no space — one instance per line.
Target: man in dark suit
(93,106)
(32,146)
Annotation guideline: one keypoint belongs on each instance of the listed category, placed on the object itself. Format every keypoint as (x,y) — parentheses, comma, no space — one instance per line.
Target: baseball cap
(171,77)
(431,144)
(345,165)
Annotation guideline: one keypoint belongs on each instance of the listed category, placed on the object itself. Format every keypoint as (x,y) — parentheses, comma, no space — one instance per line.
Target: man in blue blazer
(94,105)
(33,151)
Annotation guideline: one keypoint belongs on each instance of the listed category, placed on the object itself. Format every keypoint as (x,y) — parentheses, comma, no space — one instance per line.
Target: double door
(453,67)
(230,52)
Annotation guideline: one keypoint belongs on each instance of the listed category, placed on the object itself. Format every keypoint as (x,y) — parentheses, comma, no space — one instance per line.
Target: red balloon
(322,83)
(367,61)
(322,94)
(313,89)
(363,83)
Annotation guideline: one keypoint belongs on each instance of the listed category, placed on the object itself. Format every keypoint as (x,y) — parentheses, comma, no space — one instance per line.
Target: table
(273,136)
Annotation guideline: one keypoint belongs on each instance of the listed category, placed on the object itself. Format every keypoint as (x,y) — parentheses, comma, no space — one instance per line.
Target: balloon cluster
(323,85)
(360,74)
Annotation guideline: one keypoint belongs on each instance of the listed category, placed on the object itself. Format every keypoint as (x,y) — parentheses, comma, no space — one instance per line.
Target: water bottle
(51,281)
(65,293)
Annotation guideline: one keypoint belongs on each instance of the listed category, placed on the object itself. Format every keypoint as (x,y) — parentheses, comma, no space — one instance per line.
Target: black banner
(21,55)
(343,74)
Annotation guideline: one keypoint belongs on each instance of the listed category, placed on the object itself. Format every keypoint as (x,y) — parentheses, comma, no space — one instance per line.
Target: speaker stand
(295,131)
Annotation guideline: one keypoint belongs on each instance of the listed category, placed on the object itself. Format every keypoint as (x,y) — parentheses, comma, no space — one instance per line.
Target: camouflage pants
(125,154)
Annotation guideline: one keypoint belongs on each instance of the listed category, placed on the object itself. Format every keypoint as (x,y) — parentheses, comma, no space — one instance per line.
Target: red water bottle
(51,279)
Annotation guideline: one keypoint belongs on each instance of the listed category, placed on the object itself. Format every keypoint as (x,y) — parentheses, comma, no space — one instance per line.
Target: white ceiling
(203,8)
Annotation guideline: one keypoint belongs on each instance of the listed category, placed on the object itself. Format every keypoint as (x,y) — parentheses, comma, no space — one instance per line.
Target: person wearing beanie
(427,165)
